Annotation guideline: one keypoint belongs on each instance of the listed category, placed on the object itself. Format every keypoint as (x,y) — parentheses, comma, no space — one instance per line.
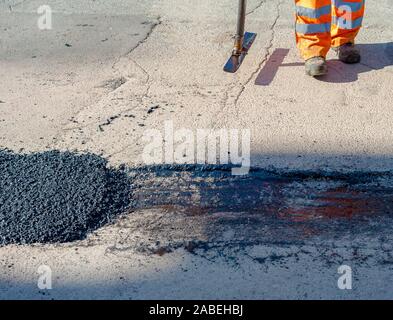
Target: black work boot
(348,53)
(316,66)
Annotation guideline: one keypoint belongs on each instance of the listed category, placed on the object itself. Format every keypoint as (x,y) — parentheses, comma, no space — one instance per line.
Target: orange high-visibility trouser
(321,24)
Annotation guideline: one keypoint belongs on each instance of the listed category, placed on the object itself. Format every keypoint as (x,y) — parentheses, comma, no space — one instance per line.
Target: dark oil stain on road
(297,196)
(271,205)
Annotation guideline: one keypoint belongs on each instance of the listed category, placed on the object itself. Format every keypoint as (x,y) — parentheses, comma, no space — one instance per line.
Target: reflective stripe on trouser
(321,24)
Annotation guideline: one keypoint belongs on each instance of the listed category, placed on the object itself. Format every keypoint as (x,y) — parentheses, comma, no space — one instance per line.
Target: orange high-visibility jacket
(322,24)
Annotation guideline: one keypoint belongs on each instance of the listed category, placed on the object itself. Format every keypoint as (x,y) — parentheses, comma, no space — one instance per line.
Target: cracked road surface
(109,70)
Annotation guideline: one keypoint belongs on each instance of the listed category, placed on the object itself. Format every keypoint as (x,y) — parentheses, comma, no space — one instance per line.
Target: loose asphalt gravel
(57,197)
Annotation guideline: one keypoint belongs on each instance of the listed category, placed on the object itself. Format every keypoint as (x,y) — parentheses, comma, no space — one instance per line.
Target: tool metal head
(235,61)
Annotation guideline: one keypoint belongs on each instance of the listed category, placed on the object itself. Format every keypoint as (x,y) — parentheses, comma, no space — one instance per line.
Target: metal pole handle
(241,20)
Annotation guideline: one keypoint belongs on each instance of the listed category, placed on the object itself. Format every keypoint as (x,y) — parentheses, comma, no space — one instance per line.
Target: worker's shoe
(348,53)
(316,66)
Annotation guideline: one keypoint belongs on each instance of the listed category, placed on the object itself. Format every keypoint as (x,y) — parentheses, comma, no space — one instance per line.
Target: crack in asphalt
(111,119)
(233,85)
(12,6)
(142,97)
(149,33)
(144,71)
(256,7)
(265,58)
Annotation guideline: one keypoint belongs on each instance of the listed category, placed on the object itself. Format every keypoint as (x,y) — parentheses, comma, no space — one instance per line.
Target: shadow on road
(375,56)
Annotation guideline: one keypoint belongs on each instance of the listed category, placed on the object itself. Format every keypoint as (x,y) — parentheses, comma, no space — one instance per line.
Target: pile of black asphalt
(53,196)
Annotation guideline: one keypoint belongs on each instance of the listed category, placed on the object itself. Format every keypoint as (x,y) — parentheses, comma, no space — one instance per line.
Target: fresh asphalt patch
(55,197)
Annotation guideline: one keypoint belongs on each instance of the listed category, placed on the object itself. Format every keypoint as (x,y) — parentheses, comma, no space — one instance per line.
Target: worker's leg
(313,24)
(347,20)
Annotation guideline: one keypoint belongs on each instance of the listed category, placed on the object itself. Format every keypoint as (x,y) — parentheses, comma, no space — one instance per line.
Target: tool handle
(241,18)
(241,21)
